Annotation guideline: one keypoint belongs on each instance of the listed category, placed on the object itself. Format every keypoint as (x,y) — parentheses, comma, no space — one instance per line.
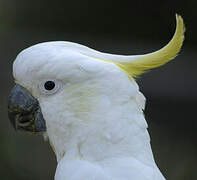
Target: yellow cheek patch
(83,101)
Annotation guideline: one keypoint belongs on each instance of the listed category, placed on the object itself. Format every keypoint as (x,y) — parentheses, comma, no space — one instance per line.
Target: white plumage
(94,119)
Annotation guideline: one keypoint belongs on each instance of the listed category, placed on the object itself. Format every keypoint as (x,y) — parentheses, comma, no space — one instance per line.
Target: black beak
(24,111)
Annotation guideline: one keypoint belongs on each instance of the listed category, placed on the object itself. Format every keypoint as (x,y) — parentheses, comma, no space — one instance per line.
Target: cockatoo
(89,106)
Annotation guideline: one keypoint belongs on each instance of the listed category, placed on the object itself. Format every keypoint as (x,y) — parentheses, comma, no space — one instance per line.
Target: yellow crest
(148,61)
(135,65)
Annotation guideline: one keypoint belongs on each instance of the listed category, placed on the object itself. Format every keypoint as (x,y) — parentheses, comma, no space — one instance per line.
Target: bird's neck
(113,130)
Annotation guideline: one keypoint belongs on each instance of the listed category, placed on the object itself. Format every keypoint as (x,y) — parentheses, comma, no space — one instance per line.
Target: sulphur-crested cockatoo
(89,106)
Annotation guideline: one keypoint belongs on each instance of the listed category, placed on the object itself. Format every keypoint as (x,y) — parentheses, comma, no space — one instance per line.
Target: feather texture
(158,58)
(95,121)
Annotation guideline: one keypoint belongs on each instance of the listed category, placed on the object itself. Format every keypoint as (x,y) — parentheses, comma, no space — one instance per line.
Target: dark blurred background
(121,27)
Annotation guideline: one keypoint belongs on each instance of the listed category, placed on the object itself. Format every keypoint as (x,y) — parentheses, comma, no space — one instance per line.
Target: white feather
(95,122)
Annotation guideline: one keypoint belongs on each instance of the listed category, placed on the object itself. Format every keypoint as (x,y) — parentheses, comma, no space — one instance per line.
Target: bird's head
(62,84)
(53,78)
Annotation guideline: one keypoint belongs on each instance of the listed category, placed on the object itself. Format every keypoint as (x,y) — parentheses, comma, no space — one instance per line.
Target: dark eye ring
(50,86)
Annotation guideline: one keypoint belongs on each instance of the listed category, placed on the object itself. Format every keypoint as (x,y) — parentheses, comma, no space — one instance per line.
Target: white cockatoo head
(74,94)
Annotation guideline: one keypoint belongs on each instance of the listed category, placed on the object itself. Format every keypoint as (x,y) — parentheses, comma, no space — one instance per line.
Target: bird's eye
(50,86)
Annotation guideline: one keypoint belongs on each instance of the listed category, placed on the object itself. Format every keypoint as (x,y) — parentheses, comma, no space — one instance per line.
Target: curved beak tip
(24,111)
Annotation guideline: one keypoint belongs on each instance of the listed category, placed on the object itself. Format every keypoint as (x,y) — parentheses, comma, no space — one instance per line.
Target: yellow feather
(158,58)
